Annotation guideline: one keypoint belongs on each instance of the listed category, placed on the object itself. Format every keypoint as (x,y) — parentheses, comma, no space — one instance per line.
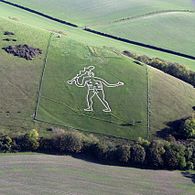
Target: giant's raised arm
(109,84)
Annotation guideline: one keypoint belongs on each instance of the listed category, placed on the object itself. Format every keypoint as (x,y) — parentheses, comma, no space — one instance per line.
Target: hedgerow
(177,70)
(157,154)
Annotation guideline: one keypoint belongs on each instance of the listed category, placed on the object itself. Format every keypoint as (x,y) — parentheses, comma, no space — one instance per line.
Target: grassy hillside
(19,78)
(174,30)
(15,14)
(161,23)
(171,99)
(75,49)
(44,174)
(64,104)
(88,12)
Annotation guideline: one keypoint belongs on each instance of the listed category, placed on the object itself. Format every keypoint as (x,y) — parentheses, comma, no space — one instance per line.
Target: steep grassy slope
(24,17)
(88,12)
(19,78)
(14,20)
(64,104)
(170,98)
(44,174)
(173,31)
(161,23)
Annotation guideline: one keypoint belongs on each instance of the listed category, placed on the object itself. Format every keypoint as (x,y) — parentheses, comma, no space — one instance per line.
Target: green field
(161,23)
(170,99)
(45,174)
(20,16)
(64,104)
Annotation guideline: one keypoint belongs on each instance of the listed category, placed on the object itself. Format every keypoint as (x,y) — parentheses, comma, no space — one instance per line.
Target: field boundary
(148,102)
(41,79)
(151,14)
(140,44)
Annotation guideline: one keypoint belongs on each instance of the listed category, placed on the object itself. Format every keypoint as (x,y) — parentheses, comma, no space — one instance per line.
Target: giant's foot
(107,110)
(88,109)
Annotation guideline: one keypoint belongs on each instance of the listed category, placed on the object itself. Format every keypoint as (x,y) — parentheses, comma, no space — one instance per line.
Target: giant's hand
(120,83)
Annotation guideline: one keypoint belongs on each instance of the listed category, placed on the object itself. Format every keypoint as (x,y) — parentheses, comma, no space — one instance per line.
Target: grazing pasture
(45,174)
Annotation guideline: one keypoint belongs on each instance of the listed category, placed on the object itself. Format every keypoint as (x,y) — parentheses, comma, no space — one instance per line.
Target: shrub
(174,69)
(189,128)
(28,142)
(138,154)
(123,153)
(5,144)
(47,145)
(155,154)
(143,142)
(189,165)
(69,142)
(174,157)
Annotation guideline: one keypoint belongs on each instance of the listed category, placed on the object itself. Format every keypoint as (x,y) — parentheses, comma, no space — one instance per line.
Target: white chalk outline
(96,89)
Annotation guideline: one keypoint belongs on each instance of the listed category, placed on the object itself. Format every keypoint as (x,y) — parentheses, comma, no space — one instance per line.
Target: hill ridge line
(191,57)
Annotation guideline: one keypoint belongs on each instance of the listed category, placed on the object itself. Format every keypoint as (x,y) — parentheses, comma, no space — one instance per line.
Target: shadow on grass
(172,128)
(189,175)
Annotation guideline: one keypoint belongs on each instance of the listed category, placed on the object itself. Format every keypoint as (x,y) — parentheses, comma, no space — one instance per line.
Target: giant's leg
(101,96)
(89,98)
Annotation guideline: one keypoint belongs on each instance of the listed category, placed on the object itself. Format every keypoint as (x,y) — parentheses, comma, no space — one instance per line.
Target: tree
(29,142)
(155,154)
(174,156)
(189,128)
(5,144)
(68,143)
(138,154)
(123,153)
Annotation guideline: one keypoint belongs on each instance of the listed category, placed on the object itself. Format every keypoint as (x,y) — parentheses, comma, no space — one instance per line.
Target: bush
(189,128)
(28,142)
(189,165)
(174,157)
(155,154)
(138,154)
(123,153)
(47,145)
(69,142)
(177,70)
(5,144)
(103,151)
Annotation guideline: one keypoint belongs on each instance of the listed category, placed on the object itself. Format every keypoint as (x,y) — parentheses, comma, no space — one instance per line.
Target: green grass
(25,77)
(46,174)
(19,78)
(171,99)
(9,12)
(64,104)
(89,12)
(174,31)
